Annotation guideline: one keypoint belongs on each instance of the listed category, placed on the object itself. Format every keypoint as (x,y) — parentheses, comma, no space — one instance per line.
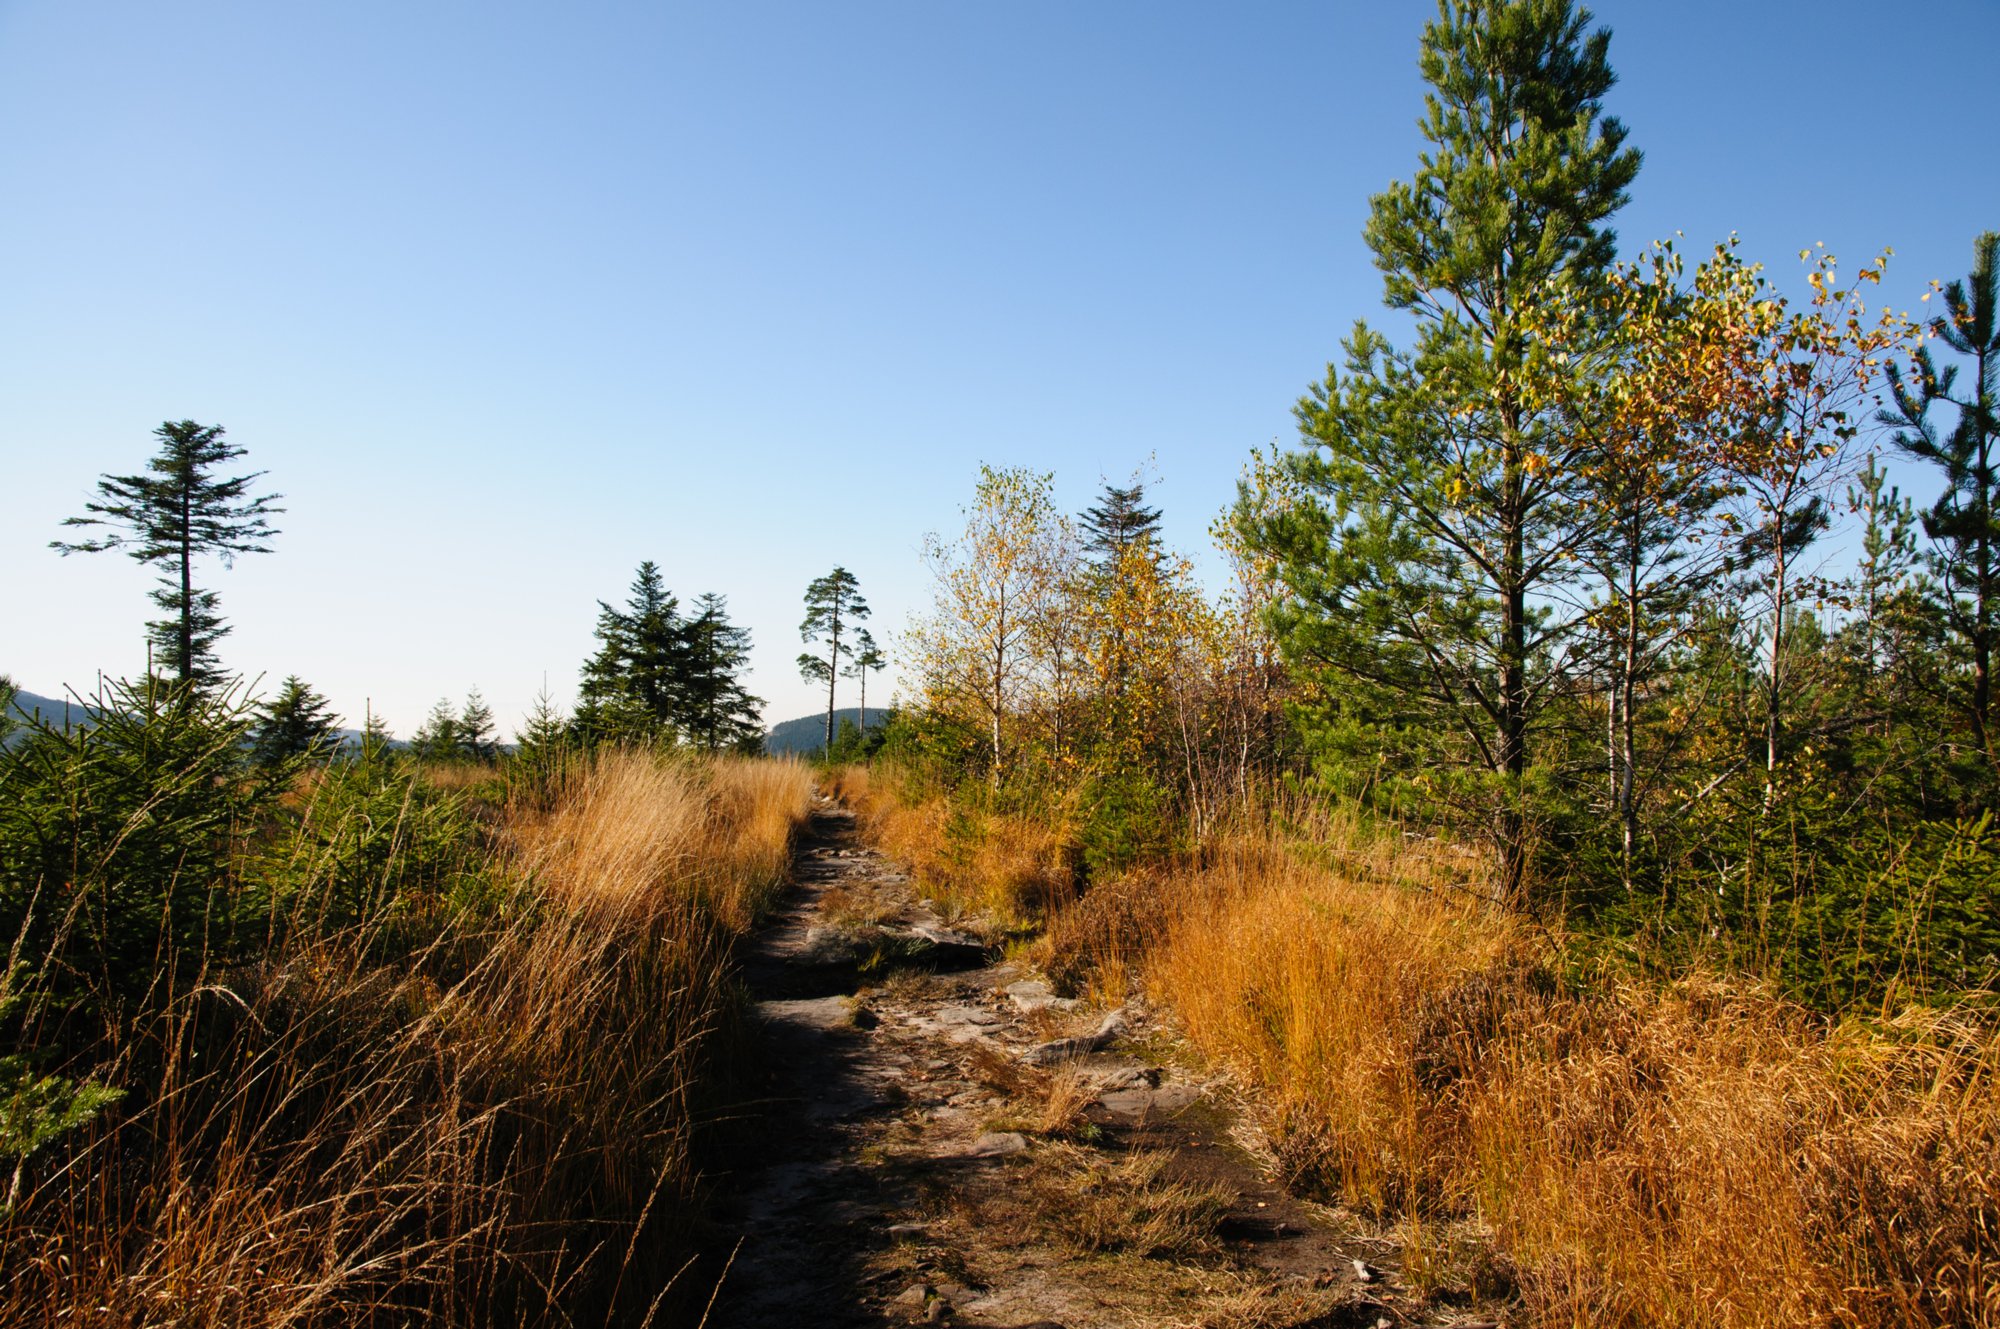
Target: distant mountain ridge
(53,709)
(807,734)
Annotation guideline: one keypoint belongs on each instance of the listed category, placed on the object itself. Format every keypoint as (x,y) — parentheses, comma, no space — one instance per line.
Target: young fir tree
(833,605)
(475,733)
(716,707)
(867,655)
(298,722)
(1444,503)
(436,738)
(545,730)
(167,518)
(375,733)
(1963,522)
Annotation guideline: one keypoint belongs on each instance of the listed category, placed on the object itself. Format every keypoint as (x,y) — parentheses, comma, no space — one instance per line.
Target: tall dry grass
(1626,1151)
(495,1126)
(1693,1152)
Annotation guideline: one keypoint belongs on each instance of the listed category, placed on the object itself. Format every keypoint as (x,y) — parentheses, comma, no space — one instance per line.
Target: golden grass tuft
(496,1125)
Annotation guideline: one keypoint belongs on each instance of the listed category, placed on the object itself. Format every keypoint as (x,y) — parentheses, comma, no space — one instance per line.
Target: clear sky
(507,297)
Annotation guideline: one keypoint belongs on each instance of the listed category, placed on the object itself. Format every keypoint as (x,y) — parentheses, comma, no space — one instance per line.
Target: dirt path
(944,1140)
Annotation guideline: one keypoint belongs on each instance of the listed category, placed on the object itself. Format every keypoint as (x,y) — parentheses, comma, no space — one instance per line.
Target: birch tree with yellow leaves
(997,587)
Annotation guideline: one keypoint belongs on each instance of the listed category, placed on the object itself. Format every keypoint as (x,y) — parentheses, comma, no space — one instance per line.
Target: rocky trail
(943,1139)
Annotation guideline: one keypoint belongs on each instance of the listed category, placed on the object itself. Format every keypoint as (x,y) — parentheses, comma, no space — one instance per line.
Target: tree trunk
(1513,678)
(832,674)
(187,585)
(1774,686)
(1982,644)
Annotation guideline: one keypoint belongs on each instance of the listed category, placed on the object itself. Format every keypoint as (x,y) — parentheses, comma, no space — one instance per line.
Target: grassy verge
(460,1081)
(1626,1151)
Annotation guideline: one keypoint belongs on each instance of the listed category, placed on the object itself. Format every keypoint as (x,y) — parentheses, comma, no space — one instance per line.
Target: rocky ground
(944,1139)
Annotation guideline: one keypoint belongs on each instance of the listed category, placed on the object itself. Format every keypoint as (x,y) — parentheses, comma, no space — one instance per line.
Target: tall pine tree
(867,656)
(1118,521)
(1447,504)
(833,606)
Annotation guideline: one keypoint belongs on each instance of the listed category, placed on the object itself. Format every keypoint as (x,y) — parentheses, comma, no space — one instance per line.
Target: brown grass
(1699,1152)
(1638,1152)
(495,1127)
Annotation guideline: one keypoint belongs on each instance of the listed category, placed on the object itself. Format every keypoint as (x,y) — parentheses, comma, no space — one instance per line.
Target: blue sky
(509,297)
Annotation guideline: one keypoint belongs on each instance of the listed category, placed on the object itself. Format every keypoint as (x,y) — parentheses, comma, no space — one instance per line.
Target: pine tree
(1963,522)
(298,722)
(867,656)
(833,604)
(717,708)
(169,518)
(1447,503)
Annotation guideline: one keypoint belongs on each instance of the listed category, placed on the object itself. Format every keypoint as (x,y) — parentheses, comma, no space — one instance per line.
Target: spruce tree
(375,733)
(1443,502)
(168,518)
(1119,521)
(545,730)
(436,738)
(656,650)
(298,722)
(633,683)
(717,708)
(833,605)
(475,733)
(1963,522)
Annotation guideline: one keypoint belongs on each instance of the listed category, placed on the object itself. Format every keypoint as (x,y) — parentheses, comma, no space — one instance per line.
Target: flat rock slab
(997,1144)
(827,1013)
(1135,1104)
(1032,994)
(1057,1051)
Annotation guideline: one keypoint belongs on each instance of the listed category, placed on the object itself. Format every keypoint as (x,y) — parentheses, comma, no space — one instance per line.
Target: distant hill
(52,709)
(27,704)
(807,734)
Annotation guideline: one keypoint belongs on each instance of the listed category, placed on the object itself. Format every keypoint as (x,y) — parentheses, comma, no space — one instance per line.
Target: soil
(930,1148)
